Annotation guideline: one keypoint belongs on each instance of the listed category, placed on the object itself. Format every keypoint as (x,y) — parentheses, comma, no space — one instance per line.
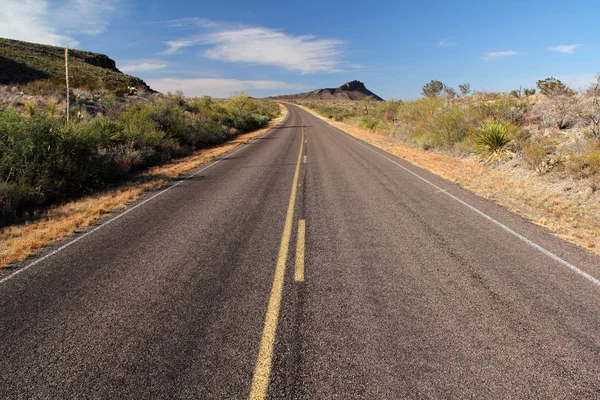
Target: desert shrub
(587,163)
(519,136)
(553,87)
(388,110)
(43,159)
(47,87)
(539,155)
(449,126)
(492,140)
(369,123)
(561,112)
(500,109)
(433,89)
(450,92)
(465,89)
(529,92)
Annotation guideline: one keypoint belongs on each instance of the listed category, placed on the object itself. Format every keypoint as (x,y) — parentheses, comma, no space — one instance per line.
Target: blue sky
(277,47)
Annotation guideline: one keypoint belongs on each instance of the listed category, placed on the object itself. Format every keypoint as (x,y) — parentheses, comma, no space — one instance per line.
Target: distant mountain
(354,90)
(24,62)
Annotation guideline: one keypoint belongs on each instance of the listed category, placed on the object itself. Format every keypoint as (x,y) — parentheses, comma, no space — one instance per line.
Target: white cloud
(143,66)
(565,49)
(260,46)
(498,54)
(87,16)
(266,46)
(446,43)
(40,22)
(191,22)
(215,87)
(30,20)
(175,45)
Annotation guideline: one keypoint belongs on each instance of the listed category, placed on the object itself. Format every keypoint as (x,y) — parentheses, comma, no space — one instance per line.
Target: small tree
(365,105)
(517,92)
(450,92)
(465,89)
(529,92)
(388,110)
(433,88)
(240,102)
(553,87)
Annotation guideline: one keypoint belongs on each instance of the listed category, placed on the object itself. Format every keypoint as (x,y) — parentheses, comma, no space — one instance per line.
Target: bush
(465,89)
(433,88)
(587,164)
(43,159)
(537,155)
(553,87)
(492,140)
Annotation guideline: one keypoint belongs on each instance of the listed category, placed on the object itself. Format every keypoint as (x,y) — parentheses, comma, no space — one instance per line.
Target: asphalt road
(411,288)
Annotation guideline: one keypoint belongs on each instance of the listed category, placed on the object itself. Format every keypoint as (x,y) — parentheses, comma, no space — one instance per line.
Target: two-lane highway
(306,265)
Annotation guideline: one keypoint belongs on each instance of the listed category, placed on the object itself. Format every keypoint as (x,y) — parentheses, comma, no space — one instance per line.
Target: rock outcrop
(354,90)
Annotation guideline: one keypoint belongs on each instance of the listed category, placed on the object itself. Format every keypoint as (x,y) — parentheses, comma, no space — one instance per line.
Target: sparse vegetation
(555,135)
(44,159)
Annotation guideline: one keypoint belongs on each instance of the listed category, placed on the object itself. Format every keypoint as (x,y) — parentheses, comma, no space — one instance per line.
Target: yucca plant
(492,141)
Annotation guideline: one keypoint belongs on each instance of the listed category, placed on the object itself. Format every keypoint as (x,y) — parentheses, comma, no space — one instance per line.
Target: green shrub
(369,123)
(449,126)
(537,155)
(43,159)
(433,88)
(553,87)
(492,140)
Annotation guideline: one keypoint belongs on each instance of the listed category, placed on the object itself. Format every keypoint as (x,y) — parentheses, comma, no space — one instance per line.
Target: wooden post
(67,78)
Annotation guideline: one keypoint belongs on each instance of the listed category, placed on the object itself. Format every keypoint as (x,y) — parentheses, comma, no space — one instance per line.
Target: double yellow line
(262,371)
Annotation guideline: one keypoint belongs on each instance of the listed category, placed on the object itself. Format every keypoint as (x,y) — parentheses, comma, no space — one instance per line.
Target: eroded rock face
(100,60)
(354,86)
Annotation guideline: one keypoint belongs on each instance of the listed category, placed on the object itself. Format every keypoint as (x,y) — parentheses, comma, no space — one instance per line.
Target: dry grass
(17,242)
(564,215)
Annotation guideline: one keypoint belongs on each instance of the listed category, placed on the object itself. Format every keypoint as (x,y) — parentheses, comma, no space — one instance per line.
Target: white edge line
(484,215)
(77,239)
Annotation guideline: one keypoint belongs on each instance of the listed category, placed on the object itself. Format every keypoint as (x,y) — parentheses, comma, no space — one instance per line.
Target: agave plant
(492,141)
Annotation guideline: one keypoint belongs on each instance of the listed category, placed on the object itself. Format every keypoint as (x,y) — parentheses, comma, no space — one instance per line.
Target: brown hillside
(354,90)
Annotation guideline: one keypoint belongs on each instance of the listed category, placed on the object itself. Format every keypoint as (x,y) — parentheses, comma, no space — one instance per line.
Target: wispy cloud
(191,23)
(87,16)
(175,45)
(215,87)
(136,66)
(260,46)
(38,21)
(446,43)
(565,48)
(493,55)
(265,46)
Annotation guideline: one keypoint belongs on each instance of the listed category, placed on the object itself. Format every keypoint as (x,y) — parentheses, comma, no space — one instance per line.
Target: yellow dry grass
(566,216)
(20,241)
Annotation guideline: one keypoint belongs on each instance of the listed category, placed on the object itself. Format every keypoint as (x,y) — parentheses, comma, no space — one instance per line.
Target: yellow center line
(262,371)
(304,159)
(299,272)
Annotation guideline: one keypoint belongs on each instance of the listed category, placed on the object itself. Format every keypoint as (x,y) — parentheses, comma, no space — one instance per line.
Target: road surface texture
(306,265)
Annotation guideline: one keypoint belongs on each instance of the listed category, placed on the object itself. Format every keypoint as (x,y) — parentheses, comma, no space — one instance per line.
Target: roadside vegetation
(536,151)
(556,131)
(112,136)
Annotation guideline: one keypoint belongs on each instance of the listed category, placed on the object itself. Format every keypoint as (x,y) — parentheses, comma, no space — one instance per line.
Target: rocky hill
(354,90)
(23,62)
